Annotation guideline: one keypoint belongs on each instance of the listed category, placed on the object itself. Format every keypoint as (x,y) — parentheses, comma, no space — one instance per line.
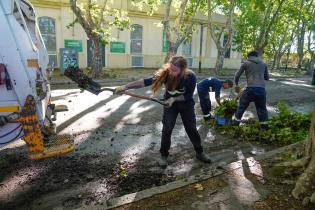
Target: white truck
(25,104)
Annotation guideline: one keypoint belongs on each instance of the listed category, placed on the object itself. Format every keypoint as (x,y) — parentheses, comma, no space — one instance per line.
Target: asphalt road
(117,145)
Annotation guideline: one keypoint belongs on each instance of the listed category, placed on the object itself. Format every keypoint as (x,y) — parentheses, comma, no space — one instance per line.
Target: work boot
(235,123)
(203,157)
(208,118)
(163,161)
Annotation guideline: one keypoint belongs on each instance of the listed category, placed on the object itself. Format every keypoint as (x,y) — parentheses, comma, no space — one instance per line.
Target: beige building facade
(141,47)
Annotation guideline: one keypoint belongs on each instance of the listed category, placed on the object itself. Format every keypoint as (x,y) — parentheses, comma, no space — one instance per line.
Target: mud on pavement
(88,177)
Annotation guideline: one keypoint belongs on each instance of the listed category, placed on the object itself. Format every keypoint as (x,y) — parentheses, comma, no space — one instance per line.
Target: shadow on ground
(117,147)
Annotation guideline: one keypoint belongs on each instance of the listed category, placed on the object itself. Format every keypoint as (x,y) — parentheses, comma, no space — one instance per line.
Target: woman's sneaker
(163,162)
(203,157)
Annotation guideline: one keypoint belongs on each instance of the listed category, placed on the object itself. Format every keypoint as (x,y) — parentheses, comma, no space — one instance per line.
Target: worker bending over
(209,85)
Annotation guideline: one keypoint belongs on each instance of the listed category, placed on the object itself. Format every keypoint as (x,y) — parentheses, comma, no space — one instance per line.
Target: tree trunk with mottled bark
(300,46)
(278,60)
(87,25)
(263,38)
(172,50)
(96,58)
(306,183)
(311,63)
(220,60)
(174,37)
(227,28)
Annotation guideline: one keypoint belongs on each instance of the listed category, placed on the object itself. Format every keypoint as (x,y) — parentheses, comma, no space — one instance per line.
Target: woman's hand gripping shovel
(86,83)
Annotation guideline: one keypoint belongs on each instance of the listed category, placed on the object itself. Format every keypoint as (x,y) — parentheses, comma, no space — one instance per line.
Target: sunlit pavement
(129,130)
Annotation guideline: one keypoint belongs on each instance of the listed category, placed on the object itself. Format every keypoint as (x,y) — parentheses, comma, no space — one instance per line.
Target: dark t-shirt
(186,87)
(205,84)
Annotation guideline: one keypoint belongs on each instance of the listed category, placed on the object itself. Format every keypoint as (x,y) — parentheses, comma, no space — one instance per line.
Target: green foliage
(182,27)
(100,20)
(150,6)
(284,128)
(226,109)
(257,29)
(289,120)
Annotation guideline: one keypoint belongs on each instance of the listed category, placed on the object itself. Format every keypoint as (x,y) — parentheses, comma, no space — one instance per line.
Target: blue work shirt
(186,87)
(213,83)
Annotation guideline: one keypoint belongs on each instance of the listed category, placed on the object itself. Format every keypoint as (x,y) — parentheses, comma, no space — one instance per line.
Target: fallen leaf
(198,187)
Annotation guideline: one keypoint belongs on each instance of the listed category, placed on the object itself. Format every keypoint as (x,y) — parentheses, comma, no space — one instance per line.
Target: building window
(186,52)
(228,52)
(136,46)
(186,48)
(136,39)
(47,27)
(137,61)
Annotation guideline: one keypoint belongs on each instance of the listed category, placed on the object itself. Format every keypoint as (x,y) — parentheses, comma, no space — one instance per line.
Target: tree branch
(77,11)
(229,25)
(102,13)
(166,21)
(180,16)
(89,15)
(275,15)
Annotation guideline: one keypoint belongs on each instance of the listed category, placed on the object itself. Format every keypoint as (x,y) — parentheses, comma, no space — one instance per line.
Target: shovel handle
(239,94)
(136,96)
(159,101)
(145,98)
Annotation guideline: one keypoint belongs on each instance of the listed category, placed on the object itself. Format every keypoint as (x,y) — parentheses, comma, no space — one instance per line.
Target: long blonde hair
(162,76)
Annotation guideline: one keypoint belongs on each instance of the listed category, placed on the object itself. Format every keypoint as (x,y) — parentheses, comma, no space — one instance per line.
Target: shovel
(86,83)
(238,95)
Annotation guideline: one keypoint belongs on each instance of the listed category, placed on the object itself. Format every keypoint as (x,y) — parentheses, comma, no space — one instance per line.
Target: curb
(209,172)
(147,193)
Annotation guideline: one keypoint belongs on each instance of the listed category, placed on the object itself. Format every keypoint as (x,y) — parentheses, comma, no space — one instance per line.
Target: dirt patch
(23,181)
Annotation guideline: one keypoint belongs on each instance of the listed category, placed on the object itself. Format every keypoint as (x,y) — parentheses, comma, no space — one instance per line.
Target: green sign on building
(117,47)
(74,44)
(164,43)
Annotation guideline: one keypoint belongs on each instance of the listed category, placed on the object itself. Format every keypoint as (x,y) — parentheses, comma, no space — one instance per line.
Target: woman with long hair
(180,83)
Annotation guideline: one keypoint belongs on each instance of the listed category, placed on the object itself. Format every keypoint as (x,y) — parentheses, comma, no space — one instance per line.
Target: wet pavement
(117,146)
